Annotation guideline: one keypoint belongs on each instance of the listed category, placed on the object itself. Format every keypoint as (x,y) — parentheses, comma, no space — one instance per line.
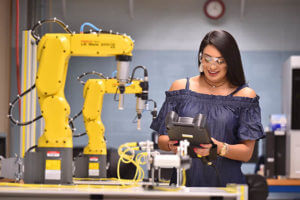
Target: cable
(83,186)
(139,67)
(11,106)
(114,74)
(90,25)
(32,147)
(52,20)
(153,112)
(89,73)
(217,173)
(72,125)
(183,177)
(129,158)
(115,95)
(154,103)
(79,135)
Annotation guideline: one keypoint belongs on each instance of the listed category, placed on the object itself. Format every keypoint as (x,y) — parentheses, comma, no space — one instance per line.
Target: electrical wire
(90,25)
(217,173)
(89,73)
(116,93)
(114,73)
(183,177)
(129,158)
(132,77)
(11,106)
(32,147)
(73,129)
(139,67)
(80,186)
(153,112)
(95,179)
(51,20)
(127,155)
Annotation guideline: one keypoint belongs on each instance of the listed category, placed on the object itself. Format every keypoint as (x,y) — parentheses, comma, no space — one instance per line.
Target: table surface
(18,190)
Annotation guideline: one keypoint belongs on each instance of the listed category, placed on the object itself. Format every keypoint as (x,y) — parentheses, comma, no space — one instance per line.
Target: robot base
(90,166)
(48,165)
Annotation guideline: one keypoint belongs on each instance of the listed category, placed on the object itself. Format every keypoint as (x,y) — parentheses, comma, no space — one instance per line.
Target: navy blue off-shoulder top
(230,119)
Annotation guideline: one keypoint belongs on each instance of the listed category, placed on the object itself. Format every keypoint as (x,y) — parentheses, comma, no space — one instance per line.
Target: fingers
(214,140)
(206,146)
(172,147)
(203,150)
(173,142)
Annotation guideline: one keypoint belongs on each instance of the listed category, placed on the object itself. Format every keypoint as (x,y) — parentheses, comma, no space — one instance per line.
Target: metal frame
(28,103)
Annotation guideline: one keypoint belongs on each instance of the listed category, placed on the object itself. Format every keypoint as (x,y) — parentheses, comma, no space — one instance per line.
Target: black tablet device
(192,129)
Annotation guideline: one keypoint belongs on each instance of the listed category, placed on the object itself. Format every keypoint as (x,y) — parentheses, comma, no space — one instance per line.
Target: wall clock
(214,9)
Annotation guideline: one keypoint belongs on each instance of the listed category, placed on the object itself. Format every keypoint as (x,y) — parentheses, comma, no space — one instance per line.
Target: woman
(232,109)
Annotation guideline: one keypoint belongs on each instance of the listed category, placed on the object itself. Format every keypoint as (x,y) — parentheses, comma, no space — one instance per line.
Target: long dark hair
(229,49)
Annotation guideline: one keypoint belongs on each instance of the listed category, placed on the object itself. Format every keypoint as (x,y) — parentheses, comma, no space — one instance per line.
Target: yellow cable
(164,181)
(95,179)
(183,177)
(125,158)
(166,188)
(65,186)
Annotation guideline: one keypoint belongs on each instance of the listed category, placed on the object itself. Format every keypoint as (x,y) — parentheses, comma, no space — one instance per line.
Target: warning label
(53,170)
(95,159)
(52,154)
(94,169)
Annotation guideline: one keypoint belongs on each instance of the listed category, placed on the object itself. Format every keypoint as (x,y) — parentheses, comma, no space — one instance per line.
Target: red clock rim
(209,16)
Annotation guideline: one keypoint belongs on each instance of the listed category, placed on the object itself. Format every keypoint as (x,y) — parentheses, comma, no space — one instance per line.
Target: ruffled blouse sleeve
(250,127)
(158,124)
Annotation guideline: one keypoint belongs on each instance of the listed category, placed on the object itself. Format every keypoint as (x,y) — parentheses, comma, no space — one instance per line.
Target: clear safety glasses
(212,60)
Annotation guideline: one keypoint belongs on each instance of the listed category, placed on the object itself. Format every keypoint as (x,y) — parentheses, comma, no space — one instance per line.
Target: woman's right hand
(172,146)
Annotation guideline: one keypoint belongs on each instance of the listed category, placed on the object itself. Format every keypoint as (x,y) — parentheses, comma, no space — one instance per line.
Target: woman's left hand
(203,150)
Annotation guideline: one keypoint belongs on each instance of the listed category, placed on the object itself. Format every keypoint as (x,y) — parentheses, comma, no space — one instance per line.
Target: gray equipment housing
(35,166)
(11,168)
(82,164)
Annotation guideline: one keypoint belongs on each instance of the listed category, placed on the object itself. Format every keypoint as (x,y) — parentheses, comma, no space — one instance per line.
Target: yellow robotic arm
(93,162)
(93,93)
(54,51)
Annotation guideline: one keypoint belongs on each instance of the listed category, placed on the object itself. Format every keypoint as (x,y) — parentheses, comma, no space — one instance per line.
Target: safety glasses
(211,60)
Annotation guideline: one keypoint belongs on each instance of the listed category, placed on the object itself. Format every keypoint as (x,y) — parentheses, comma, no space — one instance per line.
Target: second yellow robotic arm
(93,93)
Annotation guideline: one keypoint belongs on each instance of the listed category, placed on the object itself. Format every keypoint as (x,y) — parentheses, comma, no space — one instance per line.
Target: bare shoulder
(246,92)
(178,84)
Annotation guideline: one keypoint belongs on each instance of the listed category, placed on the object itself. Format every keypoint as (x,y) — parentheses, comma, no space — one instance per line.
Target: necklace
(213,86)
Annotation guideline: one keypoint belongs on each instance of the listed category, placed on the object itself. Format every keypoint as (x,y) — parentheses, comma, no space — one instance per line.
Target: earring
(200,68)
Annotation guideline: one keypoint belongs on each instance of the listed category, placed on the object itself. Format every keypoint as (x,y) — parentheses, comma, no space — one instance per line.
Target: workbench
(72,192)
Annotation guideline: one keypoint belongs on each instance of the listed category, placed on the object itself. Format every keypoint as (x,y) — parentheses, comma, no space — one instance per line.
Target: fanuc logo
(89,43)
(94,43)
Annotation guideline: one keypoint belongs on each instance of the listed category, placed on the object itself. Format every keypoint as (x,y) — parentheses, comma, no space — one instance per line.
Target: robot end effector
(124,80)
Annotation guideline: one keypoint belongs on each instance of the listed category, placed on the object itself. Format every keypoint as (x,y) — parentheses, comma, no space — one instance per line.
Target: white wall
(167,35)
(181,24)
